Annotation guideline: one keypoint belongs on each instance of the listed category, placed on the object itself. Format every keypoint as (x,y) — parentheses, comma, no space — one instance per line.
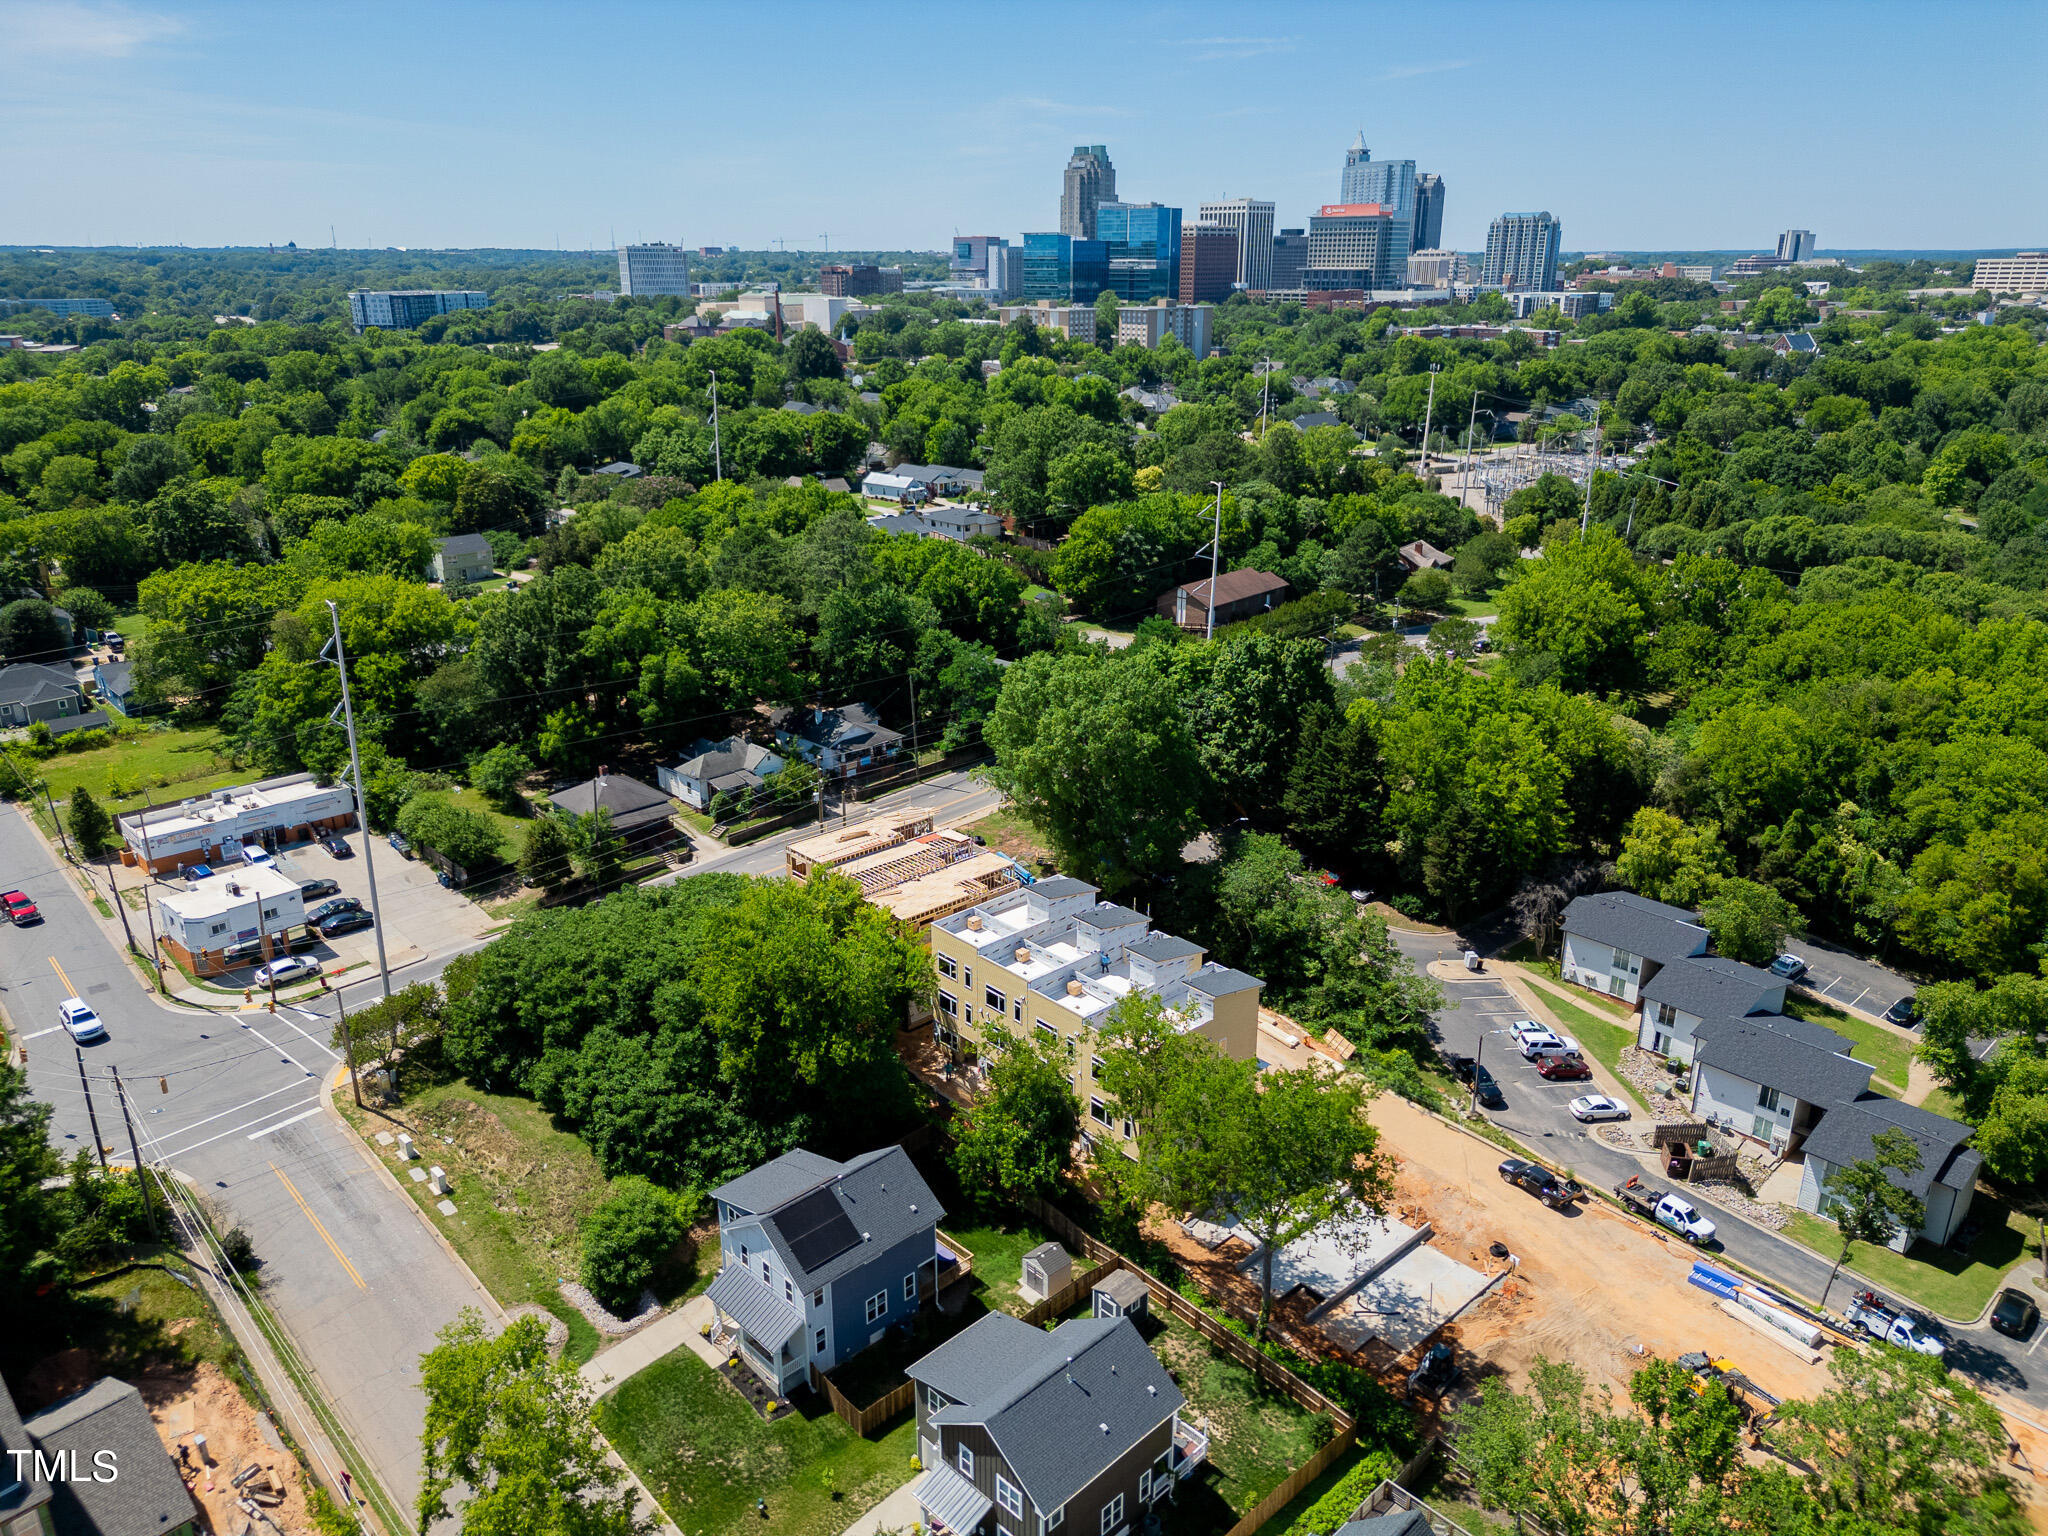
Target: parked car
(1541,1182)
(337,904)
(344,922)
(1667,1210)
(20,910)
(1872,1314)
(1562,1069)
(400,845)
(1788,967)
(1905,1013)
(1474,1074)
(250,951)
(1541,1040)
(83,1023)
(1597,1106)
(313,890)
(290,968)
(2014,1314)
(198,871)
(338,846)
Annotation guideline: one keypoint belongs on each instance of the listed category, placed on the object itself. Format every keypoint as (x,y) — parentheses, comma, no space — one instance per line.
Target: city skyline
(221,124)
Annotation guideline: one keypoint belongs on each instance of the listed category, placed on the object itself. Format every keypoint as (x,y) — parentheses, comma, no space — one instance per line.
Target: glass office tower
(1142,242)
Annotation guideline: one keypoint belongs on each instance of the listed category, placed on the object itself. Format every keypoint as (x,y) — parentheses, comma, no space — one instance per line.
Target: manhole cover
(96,990)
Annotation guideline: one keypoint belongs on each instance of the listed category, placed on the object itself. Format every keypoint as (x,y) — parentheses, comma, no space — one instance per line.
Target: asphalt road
(1847,980)
(1535,1114)
(232,1101)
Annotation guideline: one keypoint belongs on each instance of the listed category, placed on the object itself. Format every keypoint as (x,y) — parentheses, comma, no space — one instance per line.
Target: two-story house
(1052,958)
(1772,1078)
(1616,940)
(1025,1432)
(1675,998)
(819,1259)
(837,742)
(1944,1183)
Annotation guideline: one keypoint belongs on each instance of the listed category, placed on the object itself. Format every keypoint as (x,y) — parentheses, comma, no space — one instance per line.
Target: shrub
(1334,1508)
(498,773)
(238,1250)
(626,1238)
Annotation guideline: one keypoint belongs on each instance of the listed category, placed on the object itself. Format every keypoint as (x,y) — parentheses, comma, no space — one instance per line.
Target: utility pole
(1471,428)
(1429,414)
(148,873)
(1265,395)
(717,454)
(1215,553)
(141,1173)
(90,1113)
(114,891)
(1586,516)
(355,762)
(348,1047)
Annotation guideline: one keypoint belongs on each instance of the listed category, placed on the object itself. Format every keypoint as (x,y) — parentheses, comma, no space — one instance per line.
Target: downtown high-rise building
(1795,245)
(1289,260)
(1252,221)
(1521,251)
(1141,242)
(1208,263)
(1429,212)
(1392,185)
(1089,183)
(654,271)
(1354,247)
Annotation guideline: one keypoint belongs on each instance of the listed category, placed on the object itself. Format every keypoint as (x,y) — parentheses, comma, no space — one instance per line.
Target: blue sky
(1642,126)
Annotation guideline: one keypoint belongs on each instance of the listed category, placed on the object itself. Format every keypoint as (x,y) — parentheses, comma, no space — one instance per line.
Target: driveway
(1535,1114)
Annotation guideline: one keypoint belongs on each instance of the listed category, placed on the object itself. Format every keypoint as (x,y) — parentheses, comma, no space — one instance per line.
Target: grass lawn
(1946,1282)
(169,764)
(522,1189)
(511,828)
(706,1456)
(1604,1038)
(1008,832)
(1474,607)
(697,819)
(998,1250)
(1890,1054)
(1256,1436)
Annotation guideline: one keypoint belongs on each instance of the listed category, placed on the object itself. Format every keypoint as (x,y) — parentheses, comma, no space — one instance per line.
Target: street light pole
(355,761)
(1428,414)
(717,453)
(1215,554)
(1586,516)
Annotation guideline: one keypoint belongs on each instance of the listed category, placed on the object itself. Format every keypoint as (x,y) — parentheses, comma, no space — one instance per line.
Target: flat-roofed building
(249,904)
(293,808)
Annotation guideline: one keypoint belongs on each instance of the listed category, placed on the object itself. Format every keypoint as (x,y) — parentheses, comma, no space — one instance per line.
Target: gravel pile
(603,1319)
(558,1331)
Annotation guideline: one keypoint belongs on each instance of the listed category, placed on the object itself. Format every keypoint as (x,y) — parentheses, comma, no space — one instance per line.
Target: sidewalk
(634,1353)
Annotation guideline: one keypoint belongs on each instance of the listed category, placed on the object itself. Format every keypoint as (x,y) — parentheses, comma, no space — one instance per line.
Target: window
(878,1305)
(910,1287)
(743,1255)
(1145,1486)
(1098,1111)
(820,1344)
(968,977)
(218,928)
(1767,1098)
(1050,1031)
(1052,1521)
(933,1402)
(965,1462)
(788,1291)
(949,1005)
(994,1000)
(270,911)
(948,966)
(766,1279)
(818,1298)
(1112,1514)
(1130,1130)
(1095,1065)
(1667,1016)
(1010,1499)
(1017,1009)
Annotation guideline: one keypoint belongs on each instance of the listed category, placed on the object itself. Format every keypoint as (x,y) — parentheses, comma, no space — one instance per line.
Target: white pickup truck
(1667,1210)
(1872,1315)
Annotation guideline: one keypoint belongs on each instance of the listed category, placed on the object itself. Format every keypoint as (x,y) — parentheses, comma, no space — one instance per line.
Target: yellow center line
(332,1247)
(69,990)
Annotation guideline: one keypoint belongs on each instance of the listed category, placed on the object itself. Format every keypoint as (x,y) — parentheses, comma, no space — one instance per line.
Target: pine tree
(90,824)
(1334,790)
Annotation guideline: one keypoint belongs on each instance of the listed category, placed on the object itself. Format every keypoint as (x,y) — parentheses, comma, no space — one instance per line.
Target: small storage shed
(1122,1294)
(1046,1268)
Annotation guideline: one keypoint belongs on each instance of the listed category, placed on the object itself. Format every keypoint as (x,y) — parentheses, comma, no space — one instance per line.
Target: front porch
(756,1330)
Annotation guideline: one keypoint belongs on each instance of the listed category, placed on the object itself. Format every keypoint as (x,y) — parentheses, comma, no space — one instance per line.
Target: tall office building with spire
(1090,182)
(1393,186)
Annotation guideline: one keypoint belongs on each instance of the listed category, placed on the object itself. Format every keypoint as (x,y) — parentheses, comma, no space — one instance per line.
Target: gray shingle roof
(116,676)
(1107,914)
(712,758)
(1709,985)
(1750,1048)
(1846,1132)
(21,1490)
(1403,1522)
(1636,924)
(880,1192)
(1222,981)
(148,1497)
(89,720)
(1162,947)
(631,803)
(463,544)
(1055,887)
(28,681)
(1061,1407)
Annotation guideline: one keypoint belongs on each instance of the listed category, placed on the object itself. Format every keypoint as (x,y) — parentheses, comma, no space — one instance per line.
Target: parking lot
(1836,976)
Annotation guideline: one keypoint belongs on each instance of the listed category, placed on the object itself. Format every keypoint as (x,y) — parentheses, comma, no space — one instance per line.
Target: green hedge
(1351,1490)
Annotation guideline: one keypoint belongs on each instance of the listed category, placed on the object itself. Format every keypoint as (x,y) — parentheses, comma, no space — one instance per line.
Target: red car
(19,908)
(1563,1069)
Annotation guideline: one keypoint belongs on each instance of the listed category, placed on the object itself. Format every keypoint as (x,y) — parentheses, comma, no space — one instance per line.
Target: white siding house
(1617,940)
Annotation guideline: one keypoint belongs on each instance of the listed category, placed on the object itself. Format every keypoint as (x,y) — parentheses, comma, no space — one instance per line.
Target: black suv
(1475,1076)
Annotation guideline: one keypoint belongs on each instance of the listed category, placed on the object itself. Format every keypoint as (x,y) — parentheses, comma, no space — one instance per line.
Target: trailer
(1673,1212)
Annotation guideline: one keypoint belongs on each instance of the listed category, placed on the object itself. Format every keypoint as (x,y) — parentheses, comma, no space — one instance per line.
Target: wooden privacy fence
(1269,1371)
(1294,1482)
(876,1414)
(1080,1285)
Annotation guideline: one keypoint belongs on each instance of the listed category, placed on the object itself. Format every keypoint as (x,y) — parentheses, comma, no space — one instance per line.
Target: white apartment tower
(1253,222)
(654,271)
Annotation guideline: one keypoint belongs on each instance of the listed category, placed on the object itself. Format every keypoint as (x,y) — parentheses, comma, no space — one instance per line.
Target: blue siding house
(114,682)
(820,1259)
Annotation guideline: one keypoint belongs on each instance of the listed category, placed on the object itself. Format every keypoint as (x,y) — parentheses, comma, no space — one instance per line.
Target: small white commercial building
(270,813)
(249,902)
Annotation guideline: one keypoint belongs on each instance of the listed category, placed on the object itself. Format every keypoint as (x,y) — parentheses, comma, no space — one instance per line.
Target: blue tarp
(1719,1281)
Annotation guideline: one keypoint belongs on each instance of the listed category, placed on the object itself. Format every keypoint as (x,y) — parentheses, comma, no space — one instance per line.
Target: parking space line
(332,1247)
